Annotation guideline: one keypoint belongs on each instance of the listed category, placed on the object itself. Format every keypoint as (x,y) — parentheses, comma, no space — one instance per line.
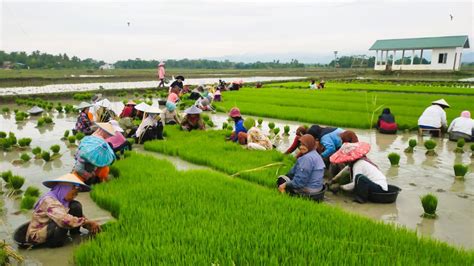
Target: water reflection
(426,226)
(384,141)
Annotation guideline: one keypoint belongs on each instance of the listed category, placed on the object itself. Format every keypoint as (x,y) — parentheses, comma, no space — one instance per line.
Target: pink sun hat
(350,152)
(234,112)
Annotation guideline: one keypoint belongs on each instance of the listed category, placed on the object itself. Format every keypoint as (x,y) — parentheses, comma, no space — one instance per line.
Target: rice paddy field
(355,105)
(230,213)
(203,217)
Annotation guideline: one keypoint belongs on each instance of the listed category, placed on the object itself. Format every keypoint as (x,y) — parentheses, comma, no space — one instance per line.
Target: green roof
(422,43)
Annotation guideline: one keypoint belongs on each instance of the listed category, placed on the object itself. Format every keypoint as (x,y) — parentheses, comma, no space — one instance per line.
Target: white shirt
(463,125)
(433,116)
(369,170)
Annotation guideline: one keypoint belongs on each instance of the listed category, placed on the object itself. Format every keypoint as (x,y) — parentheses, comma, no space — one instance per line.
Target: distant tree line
(43,60)
(353,61)
(205,64)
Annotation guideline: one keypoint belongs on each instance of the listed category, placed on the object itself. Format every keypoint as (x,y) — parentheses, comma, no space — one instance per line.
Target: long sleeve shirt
(294,145)
(370,171)
(433,116)
(50,209)
(462,124)
(83,123)
(331,142)
(308,172)
(239,127)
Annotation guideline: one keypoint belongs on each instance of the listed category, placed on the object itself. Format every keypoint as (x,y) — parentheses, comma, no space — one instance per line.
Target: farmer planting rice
(173,94)
(94,155)
(170,116)
(462,127)
(151,127)
(434,117)
(239,130)
(55,214)
(306,176)
(192,120)
(118,142)
(254,138)
(178,82)
(84,120)
(365,175)
(300,131)
(386,123)
(129,110)
(328,137)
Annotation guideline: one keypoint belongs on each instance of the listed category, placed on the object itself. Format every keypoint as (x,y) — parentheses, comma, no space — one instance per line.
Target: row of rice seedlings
(12,182)
(328,106)
(228,157)
(7,142)
(29,198)
(203,217)
(44,120)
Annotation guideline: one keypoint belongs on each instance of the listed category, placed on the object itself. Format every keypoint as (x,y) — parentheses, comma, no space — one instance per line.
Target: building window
(442,58)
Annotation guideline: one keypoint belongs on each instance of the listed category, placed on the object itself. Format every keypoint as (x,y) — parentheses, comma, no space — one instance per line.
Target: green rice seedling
(24,142)
(6,176)
(12,138)
(19,117)
(40,122)
(276,131)
(210,123)
(48,119)
(460,146)
(411,146)
(230,127)
(286,130)
(3,134)
(71,139)
(55,148)
(5,144)
(68,108)
(46,156)
(271,126)
(249,123)
(32,191)
(260,121)
(5,110)
(430,145)
(167,200)
(15,111)
(16,182)
(205,117)
(27,202)
(49,107)
(65,135)
(25,157)
(114,171)
(460,170)
(224,125)
(79,136)
(429,203)
(394,158)
(59,108)
(36,151)
(132,140)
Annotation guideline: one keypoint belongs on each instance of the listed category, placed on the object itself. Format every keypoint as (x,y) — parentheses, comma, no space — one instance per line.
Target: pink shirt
(116,140)
(161,72)
(173,97)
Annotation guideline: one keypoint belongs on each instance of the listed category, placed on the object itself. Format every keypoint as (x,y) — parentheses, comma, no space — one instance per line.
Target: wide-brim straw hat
(153,110)
(193,110)
(35,110)
(350,152)
(70,179)
(141,107)
(234,112)
(179,77)
(83,105)
(104,103)
(441,102)
(107,127)
(116,125)
(131,103)
(161,64)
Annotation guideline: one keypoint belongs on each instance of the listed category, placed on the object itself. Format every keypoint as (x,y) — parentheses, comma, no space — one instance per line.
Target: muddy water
(122,85)
(417,175)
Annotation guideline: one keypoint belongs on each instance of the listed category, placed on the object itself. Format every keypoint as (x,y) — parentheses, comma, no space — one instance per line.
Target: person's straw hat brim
(131,103)
(83,105)
(161,64)
(350,152)
(153,110)
(107,127)
(193,110)
(116,126)
(141,107)
(441,102)
(68,178)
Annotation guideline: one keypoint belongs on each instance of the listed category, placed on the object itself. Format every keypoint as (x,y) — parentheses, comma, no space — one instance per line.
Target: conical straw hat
(107,127)
(350,152)
(441,102)
(68,178)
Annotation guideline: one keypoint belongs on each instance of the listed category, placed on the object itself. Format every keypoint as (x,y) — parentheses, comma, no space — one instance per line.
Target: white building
(106,67)
(430,53)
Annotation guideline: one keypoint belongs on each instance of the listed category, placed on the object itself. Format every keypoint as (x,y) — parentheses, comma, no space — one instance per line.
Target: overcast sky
(197,29)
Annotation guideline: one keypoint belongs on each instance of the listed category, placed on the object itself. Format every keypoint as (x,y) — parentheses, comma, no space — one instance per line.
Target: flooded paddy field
(417,175)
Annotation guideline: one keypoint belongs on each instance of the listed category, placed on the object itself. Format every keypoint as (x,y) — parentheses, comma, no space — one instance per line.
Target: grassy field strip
(382,87)
(200,217)
(209,148)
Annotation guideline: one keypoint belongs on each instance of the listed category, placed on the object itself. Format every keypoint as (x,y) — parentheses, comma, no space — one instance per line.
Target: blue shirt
(239,127)
(308,172)
(331,142)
